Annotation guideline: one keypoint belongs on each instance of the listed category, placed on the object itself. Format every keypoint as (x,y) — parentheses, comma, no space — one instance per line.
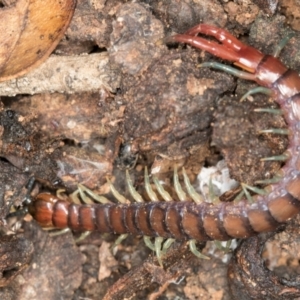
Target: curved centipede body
(185,220)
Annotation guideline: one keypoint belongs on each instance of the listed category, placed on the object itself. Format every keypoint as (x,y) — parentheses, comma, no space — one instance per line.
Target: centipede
(199,220)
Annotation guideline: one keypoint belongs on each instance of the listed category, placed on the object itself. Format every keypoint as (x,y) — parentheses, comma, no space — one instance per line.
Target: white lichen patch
(215,181)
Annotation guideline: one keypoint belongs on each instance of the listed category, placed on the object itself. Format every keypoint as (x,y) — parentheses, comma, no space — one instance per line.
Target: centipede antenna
(269,110)
(275,179)
(276,131)
(190,189)
(260,90)
(194,250)
(157,245)
(135,195)
(179,191)
(255,189)
(164,194)
(30,184)
(247,194)
(94,196)
(229,70)
(282,157)
(148,188)
(148,243)
(17,213)
(83,236)
(116,194)
(282,44)
(167,244)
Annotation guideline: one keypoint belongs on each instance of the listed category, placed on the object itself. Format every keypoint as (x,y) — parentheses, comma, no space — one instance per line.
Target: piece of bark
(248,274)
(15,254)
(55,271)
(66,75)
(176,265)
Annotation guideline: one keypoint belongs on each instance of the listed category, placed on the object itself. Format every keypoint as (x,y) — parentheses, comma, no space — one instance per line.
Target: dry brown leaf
(11,23)
(32,29)
(107,261)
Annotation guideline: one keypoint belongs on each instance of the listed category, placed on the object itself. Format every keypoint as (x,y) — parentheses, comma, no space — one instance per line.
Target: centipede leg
(148,243)
(282,131)
(225,248)
(211,193)
(282,44)
(194,250)
(273,180)
(82,190)
(227,69)
(160,247)
(59,232)
(164,194)
(178,188)
(254,189)
(134,194)
(247,194)
(273,111)
(167,244)
(257,90)
(197,198)
(284,157)
(148,188)
(83,236)
(118,241)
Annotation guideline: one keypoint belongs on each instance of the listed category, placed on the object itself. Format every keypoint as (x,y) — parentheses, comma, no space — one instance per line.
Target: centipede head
(41,209)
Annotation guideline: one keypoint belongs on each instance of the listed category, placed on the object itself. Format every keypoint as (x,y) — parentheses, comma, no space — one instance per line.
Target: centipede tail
(185,220)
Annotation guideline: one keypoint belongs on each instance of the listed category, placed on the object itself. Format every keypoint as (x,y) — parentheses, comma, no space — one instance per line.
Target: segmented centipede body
(184,220)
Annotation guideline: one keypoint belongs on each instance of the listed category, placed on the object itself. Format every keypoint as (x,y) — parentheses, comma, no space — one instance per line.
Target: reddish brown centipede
(184,220)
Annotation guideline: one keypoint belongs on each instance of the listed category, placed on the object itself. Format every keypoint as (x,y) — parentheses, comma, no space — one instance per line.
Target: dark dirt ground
(159,107)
